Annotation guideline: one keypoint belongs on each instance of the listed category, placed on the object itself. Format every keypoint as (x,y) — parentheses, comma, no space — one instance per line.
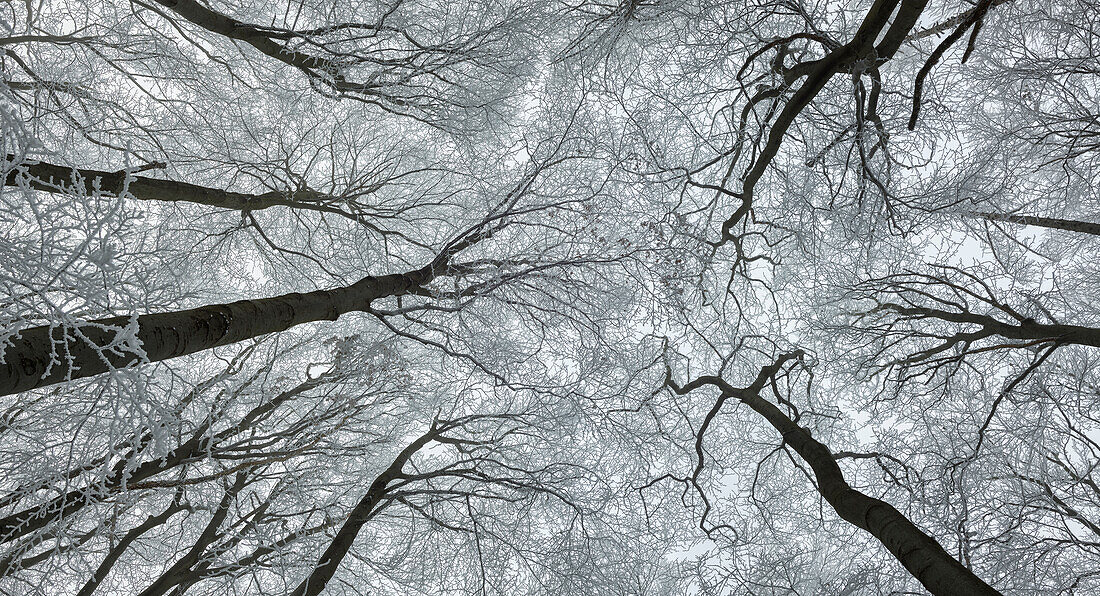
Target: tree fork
(227,26)
(918,552)
(1026,330)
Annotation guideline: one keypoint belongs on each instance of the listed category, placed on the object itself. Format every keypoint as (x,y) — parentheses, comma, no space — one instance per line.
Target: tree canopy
(663,297)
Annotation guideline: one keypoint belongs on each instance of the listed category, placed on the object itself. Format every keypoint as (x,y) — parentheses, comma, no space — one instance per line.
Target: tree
(1053,223)
(920,554)
(414,296)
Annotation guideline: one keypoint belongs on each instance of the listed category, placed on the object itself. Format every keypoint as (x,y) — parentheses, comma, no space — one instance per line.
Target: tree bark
(34,518)
(918,552)
(55,178)
(1084,227)
(122,476)
(182,568)
(50,354)
(363,512)
(118,549)
(1027,330)
(876,25)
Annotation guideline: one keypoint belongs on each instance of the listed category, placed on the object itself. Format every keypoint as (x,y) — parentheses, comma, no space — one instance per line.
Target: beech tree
(647,297)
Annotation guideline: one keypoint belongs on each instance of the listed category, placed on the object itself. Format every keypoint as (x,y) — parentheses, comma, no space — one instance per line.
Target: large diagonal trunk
(919,553)
(50,354)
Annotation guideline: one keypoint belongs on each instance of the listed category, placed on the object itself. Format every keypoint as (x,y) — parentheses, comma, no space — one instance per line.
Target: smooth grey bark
(918,552)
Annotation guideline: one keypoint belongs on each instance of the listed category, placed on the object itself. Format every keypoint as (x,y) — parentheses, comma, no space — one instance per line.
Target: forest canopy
(650,297)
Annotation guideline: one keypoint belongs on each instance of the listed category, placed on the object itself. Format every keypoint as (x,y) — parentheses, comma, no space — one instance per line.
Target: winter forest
(502,297)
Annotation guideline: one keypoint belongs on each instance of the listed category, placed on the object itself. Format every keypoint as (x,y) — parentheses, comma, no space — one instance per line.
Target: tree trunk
(1084,227)
(876,25)
(918,552)
(179,571)
(227,26)
(1027,330)
(36,517)
(50,354)
(363,512)
(120,547)
(50,177)
(200,446)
